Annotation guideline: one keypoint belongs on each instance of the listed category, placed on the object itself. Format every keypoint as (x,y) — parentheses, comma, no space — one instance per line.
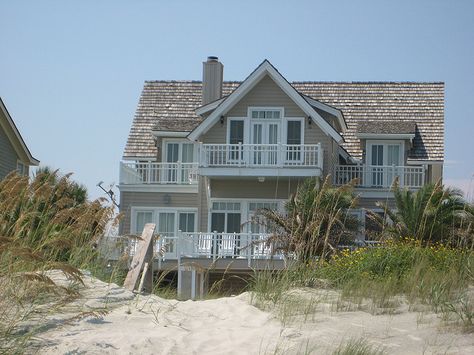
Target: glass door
(187,157)
(377,165)
(293,141)
(166,230)
(265,143)
(393,161)
(172,157)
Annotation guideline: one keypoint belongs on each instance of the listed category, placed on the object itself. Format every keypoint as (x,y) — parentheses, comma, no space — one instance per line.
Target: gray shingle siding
(8,156)
(170,105)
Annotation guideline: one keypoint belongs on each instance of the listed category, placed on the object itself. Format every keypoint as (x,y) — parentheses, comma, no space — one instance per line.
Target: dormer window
(266,113)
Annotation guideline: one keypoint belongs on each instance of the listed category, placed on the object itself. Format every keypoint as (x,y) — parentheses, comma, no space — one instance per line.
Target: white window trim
(164,148)
(229,119)
(280,121)
(385,143)
(155,212)
(24,168)
(285,129)
(250,109)
(244,208)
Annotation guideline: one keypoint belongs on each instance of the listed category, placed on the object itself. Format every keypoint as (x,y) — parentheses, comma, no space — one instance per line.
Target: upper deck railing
(261,155)
(375,176)
(213,246)
(158,173)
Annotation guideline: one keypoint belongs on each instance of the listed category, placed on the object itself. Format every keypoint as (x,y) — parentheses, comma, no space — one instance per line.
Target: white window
(179,156)
(168,221)
(257,225)
(21,168)
(235,136)
(294,139)
(266,113)
(226,217)
(142,218)
(385,153)
(179,151)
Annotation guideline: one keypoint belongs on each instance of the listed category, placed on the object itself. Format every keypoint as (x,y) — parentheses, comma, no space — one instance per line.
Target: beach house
(14,154)
(203,156)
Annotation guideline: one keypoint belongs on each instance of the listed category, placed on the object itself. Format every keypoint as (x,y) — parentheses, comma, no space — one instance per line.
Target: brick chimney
(212,77)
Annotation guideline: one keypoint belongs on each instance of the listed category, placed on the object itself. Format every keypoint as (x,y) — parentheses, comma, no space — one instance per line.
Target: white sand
(151,325)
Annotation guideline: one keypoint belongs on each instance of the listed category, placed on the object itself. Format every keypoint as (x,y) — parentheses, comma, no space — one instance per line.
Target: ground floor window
(168,221)
(239,216)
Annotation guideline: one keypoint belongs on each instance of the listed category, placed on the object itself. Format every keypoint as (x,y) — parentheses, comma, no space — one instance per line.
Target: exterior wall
(252,189)
(266,93)
(217,134)
(151,199)
(369,203)
(8,156)
(203,212)
(434,173)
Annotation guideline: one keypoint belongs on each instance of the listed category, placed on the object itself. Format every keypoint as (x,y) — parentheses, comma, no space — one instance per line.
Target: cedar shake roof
(386,127)
(170,105)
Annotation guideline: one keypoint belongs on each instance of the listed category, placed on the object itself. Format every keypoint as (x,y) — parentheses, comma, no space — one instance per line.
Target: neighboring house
(14,154)
(204,156)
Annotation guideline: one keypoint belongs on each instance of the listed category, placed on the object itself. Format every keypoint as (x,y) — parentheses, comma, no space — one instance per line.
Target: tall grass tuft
(439,276)
(46,223)
(358,347)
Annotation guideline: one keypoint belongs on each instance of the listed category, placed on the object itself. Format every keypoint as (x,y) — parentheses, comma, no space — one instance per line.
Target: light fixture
(167,199)
(222,119)
(309,120)
(261,179)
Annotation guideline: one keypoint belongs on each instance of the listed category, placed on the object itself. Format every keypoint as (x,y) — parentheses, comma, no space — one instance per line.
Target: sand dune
(152,325)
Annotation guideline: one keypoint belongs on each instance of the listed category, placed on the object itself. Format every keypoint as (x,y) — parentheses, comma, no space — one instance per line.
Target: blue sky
(71,72)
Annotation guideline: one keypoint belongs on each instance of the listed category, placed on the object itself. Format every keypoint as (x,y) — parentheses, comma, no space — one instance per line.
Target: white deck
(245,248)
(381,177)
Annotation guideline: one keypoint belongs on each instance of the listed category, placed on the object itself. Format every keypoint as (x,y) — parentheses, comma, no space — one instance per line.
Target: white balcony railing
(213,246)
(379,176)
(261,155)
(158,173)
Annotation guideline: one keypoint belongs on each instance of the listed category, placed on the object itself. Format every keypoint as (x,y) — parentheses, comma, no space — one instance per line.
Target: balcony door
(265,142)
(225,217)
(178,152)
(385,160)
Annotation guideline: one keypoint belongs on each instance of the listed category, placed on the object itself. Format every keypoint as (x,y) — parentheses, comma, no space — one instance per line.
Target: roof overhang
(266,68)
(14,135)
(329,109)
(170,134)
(424,161)
(209,107)
(409,136)
(345,154)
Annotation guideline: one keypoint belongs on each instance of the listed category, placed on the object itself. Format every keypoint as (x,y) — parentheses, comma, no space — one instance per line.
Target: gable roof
(264,69)
(421,103)
(15,137)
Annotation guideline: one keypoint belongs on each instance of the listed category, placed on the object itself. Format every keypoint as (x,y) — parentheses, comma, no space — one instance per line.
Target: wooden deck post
(143,255)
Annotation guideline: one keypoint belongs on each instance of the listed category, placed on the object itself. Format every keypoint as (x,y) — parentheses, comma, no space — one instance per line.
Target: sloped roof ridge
(189,81)
(366,82)
(306,82)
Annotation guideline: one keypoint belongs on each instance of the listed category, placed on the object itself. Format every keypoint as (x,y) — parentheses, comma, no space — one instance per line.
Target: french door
(385,161)
(265,143)
(178,152)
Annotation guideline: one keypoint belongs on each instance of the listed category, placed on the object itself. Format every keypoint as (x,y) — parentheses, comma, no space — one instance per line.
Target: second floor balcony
(241,159)
(378,176)
(153,173)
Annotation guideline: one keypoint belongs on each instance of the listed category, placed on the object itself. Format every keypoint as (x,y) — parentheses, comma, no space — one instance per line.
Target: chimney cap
(212,59)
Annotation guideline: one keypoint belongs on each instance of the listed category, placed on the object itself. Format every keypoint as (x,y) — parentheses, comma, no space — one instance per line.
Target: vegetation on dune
(315,220)
(431,214)
(426,255)
(46,223)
